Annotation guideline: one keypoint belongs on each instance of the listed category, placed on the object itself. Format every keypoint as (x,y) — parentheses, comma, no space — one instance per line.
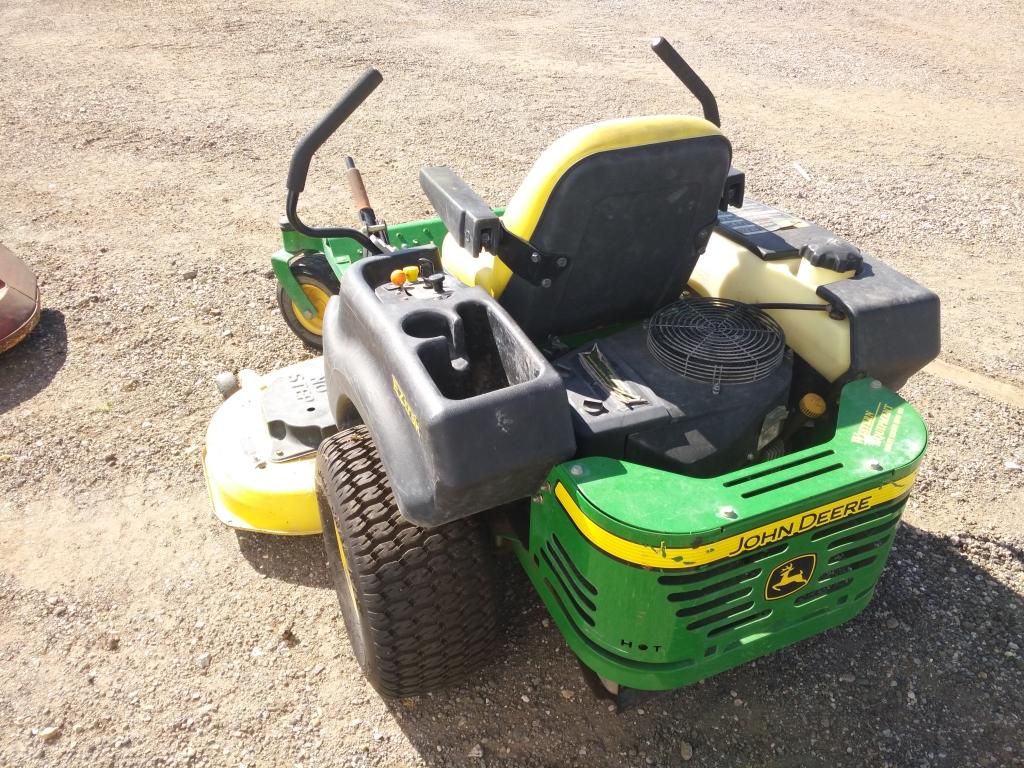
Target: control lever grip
(354,179)
(340,112)
(688,77)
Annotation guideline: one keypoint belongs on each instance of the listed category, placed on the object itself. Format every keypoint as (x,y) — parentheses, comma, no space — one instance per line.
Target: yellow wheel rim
(344,568)
(318,297)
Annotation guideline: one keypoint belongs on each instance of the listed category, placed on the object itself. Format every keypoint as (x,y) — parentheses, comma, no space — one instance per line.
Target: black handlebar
(311,142)
(330,122)
(663,48)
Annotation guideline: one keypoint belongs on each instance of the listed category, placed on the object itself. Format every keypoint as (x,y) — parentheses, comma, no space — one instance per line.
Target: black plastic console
(466,412)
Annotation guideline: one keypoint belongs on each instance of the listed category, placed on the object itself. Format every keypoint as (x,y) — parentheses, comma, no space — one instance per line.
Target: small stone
(287,635)
(190,274)
(526,699)
(203,660)
(227,333)
(892,622)
(111,641)
(49,733)
(90,299)
(567,694)
(847,677)
(685,750)
(477,751)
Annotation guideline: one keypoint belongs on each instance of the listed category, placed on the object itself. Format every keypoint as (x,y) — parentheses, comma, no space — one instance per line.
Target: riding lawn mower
(675,405)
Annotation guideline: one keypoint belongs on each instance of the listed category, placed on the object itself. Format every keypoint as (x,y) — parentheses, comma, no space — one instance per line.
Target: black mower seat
(626,205)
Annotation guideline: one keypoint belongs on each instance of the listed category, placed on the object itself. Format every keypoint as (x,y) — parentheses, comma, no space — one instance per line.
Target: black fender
(466,413)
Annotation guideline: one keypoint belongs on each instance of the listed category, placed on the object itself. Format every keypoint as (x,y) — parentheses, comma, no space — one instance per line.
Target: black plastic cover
(735,189)
(466,412)
(470,220)
(768,232)
(894,322)
(833,253)
(674,424)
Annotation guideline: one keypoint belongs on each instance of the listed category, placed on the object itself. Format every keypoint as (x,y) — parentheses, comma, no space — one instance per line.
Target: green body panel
(341,252)
(657,628)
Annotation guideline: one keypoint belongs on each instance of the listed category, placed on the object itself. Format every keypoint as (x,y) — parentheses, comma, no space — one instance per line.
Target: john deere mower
(675,406)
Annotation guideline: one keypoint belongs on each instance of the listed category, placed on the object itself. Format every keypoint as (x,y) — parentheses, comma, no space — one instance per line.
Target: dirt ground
(143,149)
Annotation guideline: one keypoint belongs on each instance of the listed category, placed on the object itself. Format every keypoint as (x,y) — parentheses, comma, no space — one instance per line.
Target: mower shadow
(27,368)
(877,691)
(293,559)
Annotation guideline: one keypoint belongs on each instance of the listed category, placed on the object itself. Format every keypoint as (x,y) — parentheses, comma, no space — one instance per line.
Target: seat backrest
(630,203)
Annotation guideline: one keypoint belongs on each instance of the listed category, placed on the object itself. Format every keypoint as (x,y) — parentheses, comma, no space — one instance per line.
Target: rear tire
(319,283)
(418,603)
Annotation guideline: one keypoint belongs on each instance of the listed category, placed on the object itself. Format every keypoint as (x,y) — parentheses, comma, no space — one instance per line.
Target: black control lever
(663,48)
(307,147)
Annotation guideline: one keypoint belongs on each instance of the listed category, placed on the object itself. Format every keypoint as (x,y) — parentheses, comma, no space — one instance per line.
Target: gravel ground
(143,149)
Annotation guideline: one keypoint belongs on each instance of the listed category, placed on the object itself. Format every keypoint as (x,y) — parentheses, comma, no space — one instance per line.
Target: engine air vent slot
(740,622)
(778,468)
(847,568)
(565,592)
(792,480)
(854,521)
(554,562)
(710,589)
(720,616)
(846,554)
(822,591)
(696,610)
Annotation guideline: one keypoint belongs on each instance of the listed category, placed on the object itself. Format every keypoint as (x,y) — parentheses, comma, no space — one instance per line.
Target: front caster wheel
(319,283)
(418,603)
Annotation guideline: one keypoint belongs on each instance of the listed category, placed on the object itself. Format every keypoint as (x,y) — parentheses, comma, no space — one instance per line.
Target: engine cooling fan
(716,341)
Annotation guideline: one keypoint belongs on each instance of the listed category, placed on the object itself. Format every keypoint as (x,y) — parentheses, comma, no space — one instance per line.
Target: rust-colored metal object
(19,300)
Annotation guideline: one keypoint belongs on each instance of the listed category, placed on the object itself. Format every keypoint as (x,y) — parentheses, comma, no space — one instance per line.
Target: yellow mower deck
(249,490)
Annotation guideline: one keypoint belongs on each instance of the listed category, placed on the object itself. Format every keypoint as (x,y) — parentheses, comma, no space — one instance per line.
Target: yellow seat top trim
(524,210)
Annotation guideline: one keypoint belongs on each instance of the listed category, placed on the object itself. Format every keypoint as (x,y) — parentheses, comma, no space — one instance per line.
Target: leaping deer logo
(789,577)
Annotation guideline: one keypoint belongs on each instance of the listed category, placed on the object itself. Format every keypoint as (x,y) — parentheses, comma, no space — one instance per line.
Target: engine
(701,388)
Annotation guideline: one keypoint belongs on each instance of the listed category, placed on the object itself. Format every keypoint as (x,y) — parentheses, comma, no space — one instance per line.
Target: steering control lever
(307,147)
(663,48)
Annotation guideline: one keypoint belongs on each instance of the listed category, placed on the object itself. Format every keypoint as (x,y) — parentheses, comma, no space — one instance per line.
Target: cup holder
(472,354)
(427,325)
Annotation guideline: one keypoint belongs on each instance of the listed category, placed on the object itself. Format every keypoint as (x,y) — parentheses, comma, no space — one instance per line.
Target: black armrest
(470,220)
